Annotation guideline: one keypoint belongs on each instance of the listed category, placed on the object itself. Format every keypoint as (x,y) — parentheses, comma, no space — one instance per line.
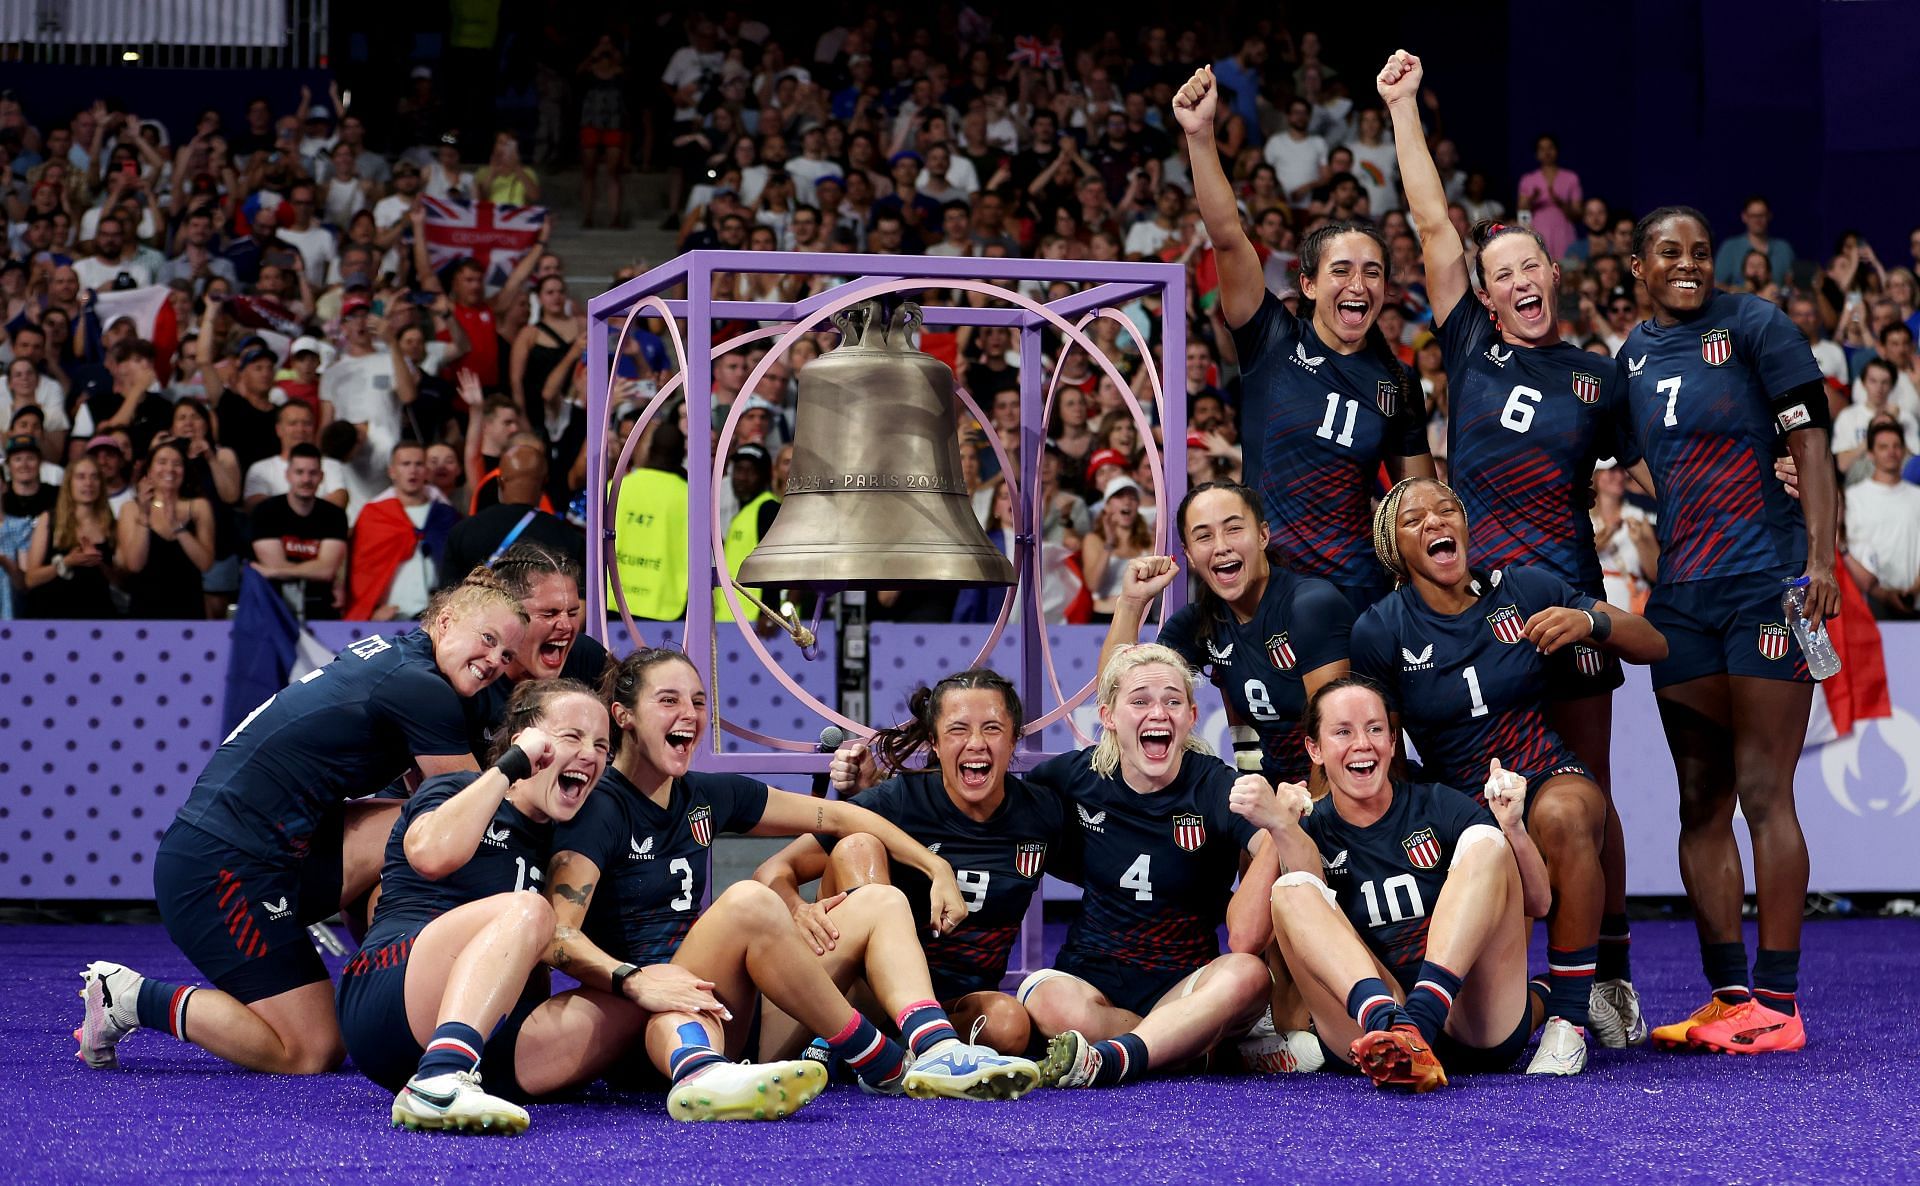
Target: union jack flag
(493,236)
(1031,51)
(1423,849)
(700,823)
(1189,832)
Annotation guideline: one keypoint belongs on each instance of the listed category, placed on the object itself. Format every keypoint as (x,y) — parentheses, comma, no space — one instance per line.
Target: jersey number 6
(1518,414)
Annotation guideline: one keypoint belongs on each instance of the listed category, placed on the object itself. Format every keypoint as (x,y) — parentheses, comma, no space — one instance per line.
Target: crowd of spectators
(343,416)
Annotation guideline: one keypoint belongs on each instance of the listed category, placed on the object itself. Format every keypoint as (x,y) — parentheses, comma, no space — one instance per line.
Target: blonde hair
(1386,519)
(66,511)
(481,591)
(1106,752)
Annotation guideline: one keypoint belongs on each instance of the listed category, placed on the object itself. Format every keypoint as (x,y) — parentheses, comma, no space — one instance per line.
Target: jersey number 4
(1139,878)
(1391,889)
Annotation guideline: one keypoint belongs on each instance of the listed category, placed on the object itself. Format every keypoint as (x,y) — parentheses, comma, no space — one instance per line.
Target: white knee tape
(1035,980)
(1476,834)
(1302,877)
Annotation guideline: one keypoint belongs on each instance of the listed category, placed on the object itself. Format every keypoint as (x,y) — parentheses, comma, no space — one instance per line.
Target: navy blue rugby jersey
(1469,687)
(340,732)
(655,862)
(512,856)
(1302,624)
(1702,393)
(998,862)
(1388,875)
(1157,868)
(1317,424)
(1524,429)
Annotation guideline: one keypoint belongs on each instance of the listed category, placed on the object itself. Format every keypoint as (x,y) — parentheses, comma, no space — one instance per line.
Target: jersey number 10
(1391,890)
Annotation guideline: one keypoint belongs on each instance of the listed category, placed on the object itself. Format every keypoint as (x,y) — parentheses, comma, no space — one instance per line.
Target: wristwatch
(620,975)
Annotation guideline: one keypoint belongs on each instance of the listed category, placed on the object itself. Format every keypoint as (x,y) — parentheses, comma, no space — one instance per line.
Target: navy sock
(1776,979)
(924,1024)
(1121,1058)
(1616,938)
(1570,982)
(694,1054)
(872,1055)
(163,1006)
(455,1046)
(1726,968)
(1370,1002)
(1432,998)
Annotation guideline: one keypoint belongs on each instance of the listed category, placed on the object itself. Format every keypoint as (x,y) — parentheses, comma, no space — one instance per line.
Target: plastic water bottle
(1822,662)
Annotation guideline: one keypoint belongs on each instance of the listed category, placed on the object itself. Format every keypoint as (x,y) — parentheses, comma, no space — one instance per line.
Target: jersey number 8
(973,887)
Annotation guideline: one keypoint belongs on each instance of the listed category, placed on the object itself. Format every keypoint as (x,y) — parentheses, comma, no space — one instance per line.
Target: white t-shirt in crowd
(97,273)
(316,248)
(1379,173)
(1850,427)
(1296,162)
(1883,529)
(267,477)
(1146,237)
(361,391)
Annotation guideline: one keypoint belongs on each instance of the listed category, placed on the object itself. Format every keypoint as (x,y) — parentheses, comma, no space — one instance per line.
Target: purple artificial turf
(1843,1110)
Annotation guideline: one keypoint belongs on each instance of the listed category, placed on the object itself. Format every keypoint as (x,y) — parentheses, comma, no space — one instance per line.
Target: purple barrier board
(107,725)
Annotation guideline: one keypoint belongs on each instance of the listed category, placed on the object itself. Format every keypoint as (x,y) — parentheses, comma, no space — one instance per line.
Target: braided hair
(479,591)
(522,566)
(1312,248)
(1386,519)
(897,746)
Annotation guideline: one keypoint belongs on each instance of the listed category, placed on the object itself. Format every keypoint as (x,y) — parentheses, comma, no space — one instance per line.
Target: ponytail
(896,747)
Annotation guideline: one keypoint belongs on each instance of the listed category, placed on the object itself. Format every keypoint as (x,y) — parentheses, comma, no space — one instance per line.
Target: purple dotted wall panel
(108,725)
(906,655)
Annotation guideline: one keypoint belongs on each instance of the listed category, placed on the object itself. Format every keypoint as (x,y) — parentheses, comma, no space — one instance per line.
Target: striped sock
(1726,968)
(871,1055)
(1776,979)
(455,1046)
(694,1054)
(1432,998)
(163,1006)
(1570,981)
(924,1025)
(1119,1058)
(1370,1002)
(1616,938)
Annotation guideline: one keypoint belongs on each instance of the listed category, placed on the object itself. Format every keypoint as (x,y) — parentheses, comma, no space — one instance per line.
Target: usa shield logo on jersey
(1773,640)
(1587,660)
(1189,832)
(1423,849)
(700,822)
(1508,625)
(1387,395)
(1280,652)
(1716,347)
(1586,388)
(1029,859)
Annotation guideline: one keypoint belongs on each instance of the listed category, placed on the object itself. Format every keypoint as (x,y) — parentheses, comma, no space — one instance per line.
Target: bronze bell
(875,498)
